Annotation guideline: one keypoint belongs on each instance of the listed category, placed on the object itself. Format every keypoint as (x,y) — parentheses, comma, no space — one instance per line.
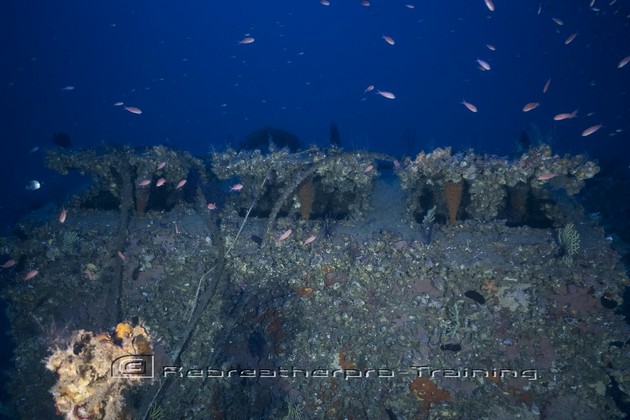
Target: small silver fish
(33,185)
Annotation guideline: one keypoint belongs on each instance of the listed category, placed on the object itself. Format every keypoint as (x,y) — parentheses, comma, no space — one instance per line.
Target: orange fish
(470,106)
(160,182)
(236,187)
(119,104)
(133,110)
(483,65)
(623,62)
(161,166)
(531,105)
(144,183)
(285,235)
(31,274)
(546,87)
(309,239)
(90,275)
(591,130)
(247,40)
(369,89)
(212,206)
(180,184)
(565,116)
(365,3)
(121,256)
(63,215)
(546,176)
(389,40)
(570,39)
(8,264)
(489,5)
(385,94)
(368,168)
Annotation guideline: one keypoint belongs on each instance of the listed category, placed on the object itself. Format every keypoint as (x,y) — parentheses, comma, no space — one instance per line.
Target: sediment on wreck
(120,240)
(214,279)
(212,296)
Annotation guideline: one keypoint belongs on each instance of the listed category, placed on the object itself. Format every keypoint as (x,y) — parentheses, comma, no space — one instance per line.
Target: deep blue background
(181,63)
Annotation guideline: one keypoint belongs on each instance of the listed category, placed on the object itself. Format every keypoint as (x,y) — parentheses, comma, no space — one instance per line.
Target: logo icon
(139,366)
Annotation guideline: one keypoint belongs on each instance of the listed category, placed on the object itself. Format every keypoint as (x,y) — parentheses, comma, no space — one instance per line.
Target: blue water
(182,64)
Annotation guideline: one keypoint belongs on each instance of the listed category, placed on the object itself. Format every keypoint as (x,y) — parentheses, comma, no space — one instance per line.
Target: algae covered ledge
(320,283)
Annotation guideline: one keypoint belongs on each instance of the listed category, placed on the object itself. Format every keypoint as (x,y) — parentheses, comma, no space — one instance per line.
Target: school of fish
(483,64)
